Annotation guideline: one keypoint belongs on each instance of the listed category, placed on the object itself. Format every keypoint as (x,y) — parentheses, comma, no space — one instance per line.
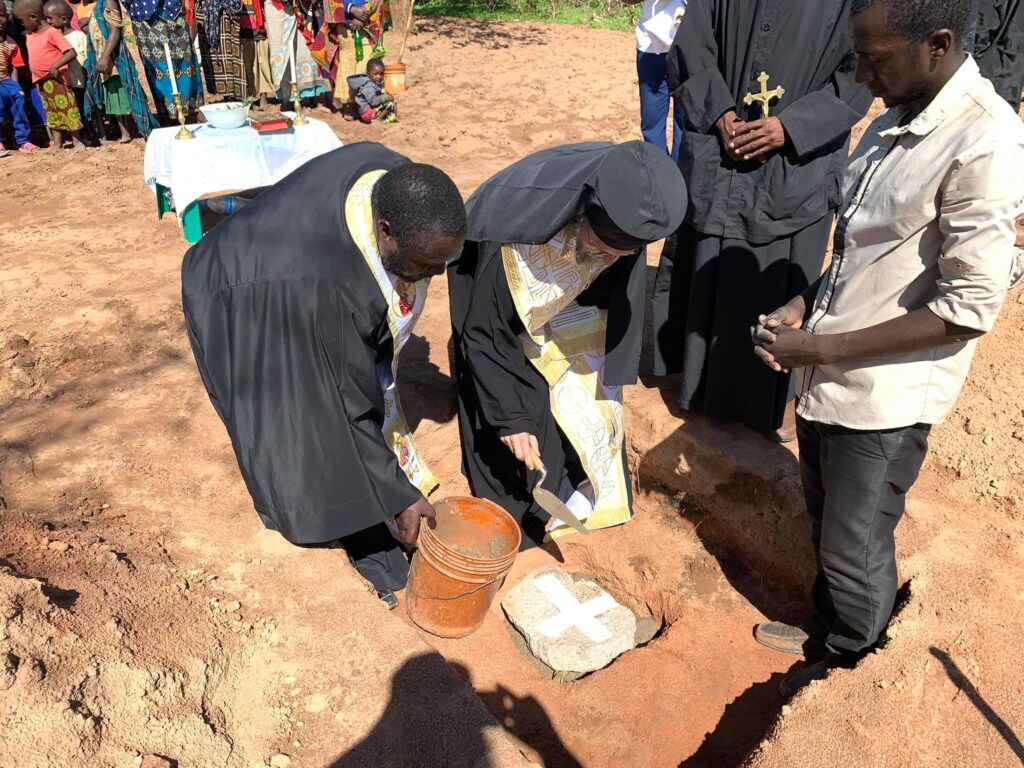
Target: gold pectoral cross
(765,95)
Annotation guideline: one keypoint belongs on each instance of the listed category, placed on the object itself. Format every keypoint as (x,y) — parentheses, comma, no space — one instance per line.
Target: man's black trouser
(378,557)
(855,484)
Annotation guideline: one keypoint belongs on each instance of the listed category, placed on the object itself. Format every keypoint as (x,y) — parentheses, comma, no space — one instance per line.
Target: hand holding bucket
(460,564)
(406,526)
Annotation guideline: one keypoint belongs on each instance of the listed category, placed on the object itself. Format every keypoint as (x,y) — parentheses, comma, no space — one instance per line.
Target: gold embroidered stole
(566,343)
(405,302)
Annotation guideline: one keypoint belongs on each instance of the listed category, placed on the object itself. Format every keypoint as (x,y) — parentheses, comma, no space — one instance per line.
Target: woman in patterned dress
(159,22)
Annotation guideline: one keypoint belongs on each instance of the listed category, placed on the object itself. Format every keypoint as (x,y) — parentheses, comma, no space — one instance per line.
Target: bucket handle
(454,597)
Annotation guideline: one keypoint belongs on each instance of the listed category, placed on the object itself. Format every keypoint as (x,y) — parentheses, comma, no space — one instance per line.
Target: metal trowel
(553,505)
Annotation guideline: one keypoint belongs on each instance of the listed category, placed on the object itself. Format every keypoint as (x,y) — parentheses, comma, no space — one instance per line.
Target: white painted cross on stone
(573,613)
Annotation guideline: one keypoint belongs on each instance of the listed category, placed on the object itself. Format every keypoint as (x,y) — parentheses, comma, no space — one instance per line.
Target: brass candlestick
(300,117)
(179,105)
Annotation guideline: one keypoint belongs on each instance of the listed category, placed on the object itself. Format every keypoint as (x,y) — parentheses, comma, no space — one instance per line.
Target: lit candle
(170,69)
(291,60)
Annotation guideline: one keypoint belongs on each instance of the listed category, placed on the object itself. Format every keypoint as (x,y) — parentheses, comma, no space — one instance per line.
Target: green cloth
(115,97)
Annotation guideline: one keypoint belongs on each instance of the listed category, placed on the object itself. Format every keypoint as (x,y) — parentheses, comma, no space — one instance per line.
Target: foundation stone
(569,622)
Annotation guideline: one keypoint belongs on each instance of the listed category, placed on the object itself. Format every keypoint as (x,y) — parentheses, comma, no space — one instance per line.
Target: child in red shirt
(49,54)
(12,101)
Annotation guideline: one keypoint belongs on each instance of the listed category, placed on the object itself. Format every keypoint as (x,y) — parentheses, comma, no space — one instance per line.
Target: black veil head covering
(636,184)
(639,197)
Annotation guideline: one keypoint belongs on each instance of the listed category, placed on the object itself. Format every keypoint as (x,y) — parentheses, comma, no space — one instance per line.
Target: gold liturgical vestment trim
(566,343)
(405,304)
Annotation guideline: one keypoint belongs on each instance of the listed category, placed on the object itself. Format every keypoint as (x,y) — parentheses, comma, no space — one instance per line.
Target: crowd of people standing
(67,66)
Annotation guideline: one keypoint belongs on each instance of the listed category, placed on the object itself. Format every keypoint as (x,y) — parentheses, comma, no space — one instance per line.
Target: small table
(219,162)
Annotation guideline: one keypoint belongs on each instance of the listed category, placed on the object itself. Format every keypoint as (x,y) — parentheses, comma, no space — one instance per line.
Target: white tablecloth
(219,161)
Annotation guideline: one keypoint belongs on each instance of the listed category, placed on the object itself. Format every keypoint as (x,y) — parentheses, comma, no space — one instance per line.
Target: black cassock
(500,392)
(288,325)
(998,45)
(755,235)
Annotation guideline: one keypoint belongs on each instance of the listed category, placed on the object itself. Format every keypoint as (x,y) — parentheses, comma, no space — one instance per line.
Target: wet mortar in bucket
(460,564)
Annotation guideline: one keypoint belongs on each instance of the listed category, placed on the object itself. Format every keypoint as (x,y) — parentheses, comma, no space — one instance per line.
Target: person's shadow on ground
(432,718)
(426,391)
(527,719)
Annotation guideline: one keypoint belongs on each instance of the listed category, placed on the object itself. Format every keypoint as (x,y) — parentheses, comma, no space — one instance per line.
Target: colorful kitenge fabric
(331,41)
(313,27)
(97,95)
(251,18)
(59,103)
(211,14)
(345,63)
(151,37)
(221,48)
(373,32)
(283,36)
(147,10)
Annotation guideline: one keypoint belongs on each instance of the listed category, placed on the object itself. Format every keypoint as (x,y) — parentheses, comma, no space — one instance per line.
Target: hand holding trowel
(550,503)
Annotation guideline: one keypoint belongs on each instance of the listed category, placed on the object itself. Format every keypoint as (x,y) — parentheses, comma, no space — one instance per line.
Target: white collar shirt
(659,22)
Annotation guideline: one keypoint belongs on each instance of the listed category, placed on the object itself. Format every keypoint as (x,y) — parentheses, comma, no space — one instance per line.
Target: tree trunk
(401,23)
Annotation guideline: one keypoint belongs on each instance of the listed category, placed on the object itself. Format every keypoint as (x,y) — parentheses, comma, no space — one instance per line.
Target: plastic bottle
(225,205)
(358,38)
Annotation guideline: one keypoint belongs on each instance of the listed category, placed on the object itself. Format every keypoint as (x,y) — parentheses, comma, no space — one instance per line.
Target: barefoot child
(12,100)
(58,15)
(48,56)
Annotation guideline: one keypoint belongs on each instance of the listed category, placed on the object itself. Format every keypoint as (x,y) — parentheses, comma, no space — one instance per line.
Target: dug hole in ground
(147,619)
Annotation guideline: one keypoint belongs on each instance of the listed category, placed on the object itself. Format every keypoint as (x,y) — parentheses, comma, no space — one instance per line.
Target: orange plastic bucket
(460,564)
(394,77)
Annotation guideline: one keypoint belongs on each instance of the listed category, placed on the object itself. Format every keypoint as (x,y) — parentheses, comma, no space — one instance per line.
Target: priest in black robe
(290,307)
(998,46)
(547,303)
(763,191)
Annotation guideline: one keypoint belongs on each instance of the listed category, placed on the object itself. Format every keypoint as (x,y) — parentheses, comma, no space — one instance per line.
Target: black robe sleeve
(826,115)
(507,388)
(998,46)
(693,74)
(362,400)
(287,365)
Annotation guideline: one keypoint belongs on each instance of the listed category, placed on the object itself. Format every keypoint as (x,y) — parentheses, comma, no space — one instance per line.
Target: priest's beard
(583,256)
(395,265)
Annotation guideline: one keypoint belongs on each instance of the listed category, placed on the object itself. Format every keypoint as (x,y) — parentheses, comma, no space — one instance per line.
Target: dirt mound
(90,675)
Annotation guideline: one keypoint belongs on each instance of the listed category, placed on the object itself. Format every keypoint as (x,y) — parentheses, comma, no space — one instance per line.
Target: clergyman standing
(763,190)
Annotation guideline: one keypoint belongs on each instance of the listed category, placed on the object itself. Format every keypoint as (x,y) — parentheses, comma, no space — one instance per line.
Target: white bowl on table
(226,114)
